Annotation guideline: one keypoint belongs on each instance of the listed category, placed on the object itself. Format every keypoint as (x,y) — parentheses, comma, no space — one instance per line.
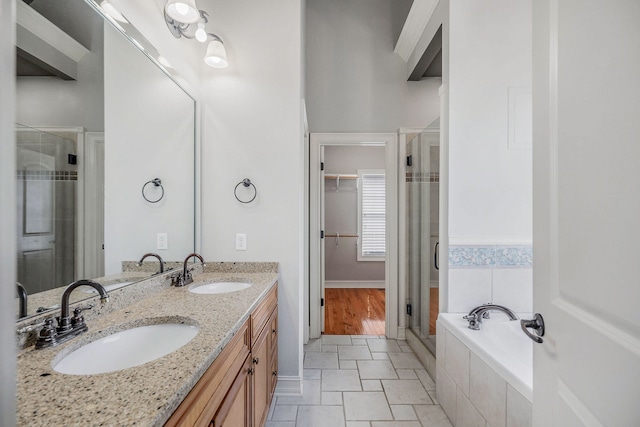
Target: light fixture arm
(179,29)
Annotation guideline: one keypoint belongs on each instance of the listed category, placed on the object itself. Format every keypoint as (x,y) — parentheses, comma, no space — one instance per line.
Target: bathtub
(489,371)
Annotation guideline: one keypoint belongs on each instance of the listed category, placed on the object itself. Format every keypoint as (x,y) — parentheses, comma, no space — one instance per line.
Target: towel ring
(156,182)
(245,183)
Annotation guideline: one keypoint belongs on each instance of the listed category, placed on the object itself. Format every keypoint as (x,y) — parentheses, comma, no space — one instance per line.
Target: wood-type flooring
(361,311)
(354,311)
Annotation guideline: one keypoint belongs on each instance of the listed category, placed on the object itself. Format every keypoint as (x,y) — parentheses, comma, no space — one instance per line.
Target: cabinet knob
(274,373)
(250,371)
(274,331)
(256,360)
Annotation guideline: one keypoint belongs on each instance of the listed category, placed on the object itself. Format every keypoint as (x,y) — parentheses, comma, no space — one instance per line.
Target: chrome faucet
(476,315)
(185,277)
(22,294)
(68,327)
(153,255)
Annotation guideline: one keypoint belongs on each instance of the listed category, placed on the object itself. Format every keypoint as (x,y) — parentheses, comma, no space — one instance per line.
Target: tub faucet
(154,255)
(476,315)
(22,294)
(68,327)
(185,277)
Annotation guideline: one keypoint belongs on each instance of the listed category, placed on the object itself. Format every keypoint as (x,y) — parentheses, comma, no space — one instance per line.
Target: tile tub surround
(490,273)
(475,387)
(145,395)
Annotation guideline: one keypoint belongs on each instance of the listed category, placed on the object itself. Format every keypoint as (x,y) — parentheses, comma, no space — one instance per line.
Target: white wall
(149,125)
(490,195)
(490,51)
(7,224)
(341,214)
(355,82)
(251,129)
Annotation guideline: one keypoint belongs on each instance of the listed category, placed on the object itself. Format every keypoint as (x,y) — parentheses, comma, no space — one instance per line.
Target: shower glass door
(46,195)
(422,211)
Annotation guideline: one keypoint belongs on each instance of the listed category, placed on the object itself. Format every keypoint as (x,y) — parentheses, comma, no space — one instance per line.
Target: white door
(586,85)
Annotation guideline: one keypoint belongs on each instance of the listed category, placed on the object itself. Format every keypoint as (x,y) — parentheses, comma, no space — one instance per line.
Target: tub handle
(537,324)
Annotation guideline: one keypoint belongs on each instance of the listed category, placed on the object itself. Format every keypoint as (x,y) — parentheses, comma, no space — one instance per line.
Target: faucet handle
(48,335)
(78,318)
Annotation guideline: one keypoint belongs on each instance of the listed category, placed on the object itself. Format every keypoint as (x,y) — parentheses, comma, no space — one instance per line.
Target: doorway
(344,260)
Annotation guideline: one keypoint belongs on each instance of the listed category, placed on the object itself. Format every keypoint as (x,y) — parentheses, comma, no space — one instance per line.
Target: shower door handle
(435,256)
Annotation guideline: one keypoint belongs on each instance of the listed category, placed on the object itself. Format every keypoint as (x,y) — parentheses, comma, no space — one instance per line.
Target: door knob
(537,324)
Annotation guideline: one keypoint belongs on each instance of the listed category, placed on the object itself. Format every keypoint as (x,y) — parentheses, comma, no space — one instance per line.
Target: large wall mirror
(97,119)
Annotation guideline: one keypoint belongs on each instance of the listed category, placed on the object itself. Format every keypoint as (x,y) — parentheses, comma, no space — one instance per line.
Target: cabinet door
(235,408)
(261,379)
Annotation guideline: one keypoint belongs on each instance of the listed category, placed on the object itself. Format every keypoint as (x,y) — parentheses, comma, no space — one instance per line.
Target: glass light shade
(216,55)
(113,12)
(184,11)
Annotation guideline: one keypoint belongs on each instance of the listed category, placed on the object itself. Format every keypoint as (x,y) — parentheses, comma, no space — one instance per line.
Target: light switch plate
(241,242)
(162,241)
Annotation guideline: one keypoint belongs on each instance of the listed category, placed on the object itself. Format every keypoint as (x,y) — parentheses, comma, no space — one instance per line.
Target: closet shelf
(340,176)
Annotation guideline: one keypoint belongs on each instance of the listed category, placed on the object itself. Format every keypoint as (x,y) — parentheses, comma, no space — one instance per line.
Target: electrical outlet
(241,242)
(162,241)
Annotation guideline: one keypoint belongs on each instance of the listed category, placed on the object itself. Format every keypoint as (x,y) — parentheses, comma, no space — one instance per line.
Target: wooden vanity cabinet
(237,389)
(262,354)
(235,410)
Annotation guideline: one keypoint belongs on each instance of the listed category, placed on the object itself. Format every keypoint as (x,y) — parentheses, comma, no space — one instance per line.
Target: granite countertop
(145,395)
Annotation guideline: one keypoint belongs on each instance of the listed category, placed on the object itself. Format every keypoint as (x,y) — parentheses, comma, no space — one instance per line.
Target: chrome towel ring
(156,182)
(245,183)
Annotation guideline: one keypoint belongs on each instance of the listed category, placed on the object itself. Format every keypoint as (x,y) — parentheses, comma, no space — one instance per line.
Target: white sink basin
(126,349)
(218,287)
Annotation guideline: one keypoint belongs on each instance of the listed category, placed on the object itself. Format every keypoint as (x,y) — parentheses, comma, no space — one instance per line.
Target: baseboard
(423,354)
(373,284)
(401,333)
(289,386)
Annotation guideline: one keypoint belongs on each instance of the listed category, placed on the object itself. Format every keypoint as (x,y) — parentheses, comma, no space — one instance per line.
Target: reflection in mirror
(97,119)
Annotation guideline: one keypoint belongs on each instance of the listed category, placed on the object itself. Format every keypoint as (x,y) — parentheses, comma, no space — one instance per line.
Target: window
(371,215)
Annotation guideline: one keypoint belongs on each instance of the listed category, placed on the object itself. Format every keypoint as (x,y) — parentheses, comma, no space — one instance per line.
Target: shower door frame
(404,293)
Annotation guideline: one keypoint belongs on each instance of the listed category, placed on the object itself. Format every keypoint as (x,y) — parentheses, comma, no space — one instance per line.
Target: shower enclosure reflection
(46,195)
(422,225)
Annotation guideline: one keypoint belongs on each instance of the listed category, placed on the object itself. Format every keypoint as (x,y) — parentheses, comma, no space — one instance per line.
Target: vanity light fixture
(179,17)
(113,12)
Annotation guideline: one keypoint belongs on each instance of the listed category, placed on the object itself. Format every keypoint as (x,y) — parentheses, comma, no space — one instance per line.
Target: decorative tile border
(490,256)
(422,177)
(24,175)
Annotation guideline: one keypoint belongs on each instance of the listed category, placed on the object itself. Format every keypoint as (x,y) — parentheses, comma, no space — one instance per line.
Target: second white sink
(218,287)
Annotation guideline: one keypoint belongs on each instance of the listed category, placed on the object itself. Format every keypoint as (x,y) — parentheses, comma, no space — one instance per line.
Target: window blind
(373,215)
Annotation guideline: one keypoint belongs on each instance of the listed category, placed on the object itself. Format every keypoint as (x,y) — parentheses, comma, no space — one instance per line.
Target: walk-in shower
(422,209)
(47,180)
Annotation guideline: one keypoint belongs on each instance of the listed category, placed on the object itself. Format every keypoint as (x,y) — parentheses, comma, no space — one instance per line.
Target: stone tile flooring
(360,381)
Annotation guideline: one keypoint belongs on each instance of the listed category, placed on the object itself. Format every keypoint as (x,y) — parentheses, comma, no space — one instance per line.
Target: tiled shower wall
(499,274)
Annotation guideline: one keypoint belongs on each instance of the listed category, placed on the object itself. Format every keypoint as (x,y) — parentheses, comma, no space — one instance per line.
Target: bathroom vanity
(237,389)
(225,375)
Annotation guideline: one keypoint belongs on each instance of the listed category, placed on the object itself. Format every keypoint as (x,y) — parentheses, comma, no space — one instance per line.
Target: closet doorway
(353,234)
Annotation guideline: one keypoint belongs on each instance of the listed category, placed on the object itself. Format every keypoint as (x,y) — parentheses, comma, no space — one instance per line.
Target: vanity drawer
(261,314)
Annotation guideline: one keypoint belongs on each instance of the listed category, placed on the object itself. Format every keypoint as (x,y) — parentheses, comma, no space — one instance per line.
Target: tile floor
(360,381)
